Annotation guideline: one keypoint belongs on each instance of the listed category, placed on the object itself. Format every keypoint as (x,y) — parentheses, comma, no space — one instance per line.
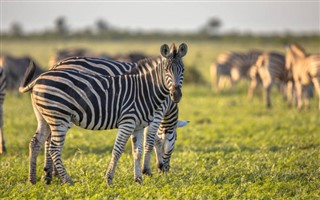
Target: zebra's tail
(25,84)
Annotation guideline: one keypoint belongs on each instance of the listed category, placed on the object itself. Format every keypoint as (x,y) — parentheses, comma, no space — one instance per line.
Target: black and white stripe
(128,102)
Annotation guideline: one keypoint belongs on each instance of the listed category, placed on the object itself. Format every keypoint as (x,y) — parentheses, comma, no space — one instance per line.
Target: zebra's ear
(183,48)
(182,123)
(164,50)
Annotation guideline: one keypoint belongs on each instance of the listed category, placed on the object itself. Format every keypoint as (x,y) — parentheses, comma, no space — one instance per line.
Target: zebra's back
(87,100)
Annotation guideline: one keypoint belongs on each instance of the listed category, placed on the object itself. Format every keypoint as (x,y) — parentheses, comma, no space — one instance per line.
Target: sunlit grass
(232,148)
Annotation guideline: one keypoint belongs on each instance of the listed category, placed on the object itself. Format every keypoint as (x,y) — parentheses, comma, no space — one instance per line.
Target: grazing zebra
(305,69)
(12,69)
(270,67)
(128,102)
(231,67)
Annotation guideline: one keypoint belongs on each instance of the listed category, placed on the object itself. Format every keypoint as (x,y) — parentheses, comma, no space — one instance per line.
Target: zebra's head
(174,68)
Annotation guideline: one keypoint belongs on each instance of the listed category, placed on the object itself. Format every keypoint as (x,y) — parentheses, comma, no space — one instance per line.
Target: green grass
(232,149)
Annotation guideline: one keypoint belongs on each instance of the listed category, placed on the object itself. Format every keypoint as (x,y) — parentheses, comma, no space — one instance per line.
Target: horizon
(259,17)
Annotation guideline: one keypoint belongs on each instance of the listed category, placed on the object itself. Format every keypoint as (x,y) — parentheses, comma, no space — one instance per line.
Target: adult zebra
(305,69)
(64,97)
(270,67)
(164,124)
(231,67)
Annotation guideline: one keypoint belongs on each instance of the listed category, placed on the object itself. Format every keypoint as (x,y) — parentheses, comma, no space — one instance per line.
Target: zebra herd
(140,98)
(295,72)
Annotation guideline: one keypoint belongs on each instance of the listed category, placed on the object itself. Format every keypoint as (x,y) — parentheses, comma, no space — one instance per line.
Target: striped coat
(128,102)
(231,67)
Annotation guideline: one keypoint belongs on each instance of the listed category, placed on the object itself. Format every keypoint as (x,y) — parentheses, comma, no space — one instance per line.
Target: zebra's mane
(145,63)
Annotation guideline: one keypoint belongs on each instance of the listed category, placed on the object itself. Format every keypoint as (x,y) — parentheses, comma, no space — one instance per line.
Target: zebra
(167,119)
(305,69)
(12,69)
(64,97)
(270,67)
(231,67)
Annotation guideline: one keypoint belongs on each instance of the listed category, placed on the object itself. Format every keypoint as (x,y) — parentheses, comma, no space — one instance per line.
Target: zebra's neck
(152,89)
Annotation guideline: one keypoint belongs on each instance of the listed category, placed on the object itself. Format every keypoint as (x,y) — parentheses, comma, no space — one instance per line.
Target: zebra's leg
(58,134)
(316,83)
(267,83)
(149,138)
(252,88)
(136,142)
(36,142)
(168,146)
(158,148)
(123,135)
(49,168)
(299,94)
(305,96)
(2,142)
(289,92)
(48,163)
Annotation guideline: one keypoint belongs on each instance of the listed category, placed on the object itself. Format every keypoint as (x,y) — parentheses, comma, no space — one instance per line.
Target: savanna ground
(232,149)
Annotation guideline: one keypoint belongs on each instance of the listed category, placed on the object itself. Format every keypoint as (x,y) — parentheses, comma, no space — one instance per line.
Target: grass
(232,149)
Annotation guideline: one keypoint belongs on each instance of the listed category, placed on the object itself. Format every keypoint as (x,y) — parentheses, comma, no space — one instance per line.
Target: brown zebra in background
(230,67)
(305,69)
(12,70)
(270,67)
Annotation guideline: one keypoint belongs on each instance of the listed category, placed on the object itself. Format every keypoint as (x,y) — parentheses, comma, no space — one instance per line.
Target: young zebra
(305,68)
(231,67)
(166,118)
(128,102)
(270,67)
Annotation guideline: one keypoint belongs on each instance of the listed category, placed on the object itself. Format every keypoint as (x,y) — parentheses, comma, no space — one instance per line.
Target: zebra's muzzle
(176,94)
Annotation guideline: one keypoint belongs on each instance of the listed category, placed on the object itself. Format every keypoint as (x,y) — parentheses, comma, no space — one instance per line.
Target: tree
(102,26)
(212,26)
(16,29)
(61,26)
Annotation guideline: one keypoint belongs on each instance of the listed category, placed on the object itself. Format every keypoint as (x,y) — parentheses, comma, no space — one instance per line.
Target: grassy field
(232,149)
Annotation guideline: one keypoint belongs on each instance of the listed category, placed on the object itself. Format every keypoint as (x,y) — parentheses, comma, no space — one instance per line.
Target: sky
(259,16)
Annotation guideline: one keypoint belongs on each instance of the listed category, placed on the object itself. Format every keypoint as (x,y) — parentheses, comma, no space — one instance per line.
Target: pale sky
(262,16)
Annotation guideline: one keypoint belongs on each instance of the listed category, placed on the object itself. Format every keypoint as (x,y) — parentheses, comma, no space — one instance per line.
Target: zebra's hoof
(138,180)
(33,181)
(48,180)
(163,168)
(147,172)
(109,181)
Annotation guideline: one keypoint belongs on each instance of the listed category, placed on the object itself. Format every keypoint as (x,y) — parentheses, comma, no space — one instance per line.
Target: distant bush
(193,76)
